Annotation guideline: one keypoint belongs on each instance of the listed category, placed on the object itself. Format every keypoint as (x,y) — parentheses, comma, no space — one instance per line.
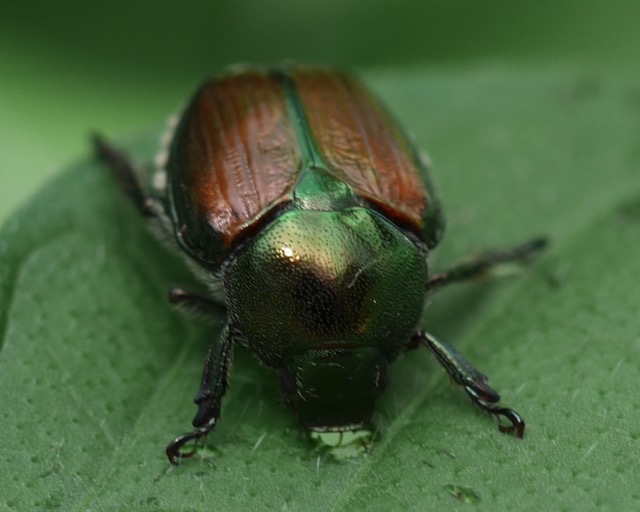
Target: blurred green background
(68,67)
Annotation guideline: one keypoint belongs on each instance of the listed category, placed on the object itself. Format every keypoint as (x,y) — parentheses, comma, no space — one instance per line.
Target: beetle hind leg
(473,381)
(483,264)
(123,170)
(215,377)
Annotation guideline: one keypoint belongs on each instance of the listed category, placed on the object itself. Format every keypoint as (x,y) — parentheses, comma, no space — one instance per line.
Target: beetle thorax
(326,280)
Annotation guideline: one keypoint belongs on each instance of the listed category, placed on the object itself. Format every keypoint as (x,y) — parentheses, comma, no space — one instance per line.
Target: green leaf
(97,373)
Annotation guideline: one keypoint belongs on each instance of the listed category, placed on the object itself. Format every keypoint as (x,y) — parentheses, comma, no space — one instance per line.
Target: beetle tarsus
(481,265)
(517,423)
(472,380)
(174,448)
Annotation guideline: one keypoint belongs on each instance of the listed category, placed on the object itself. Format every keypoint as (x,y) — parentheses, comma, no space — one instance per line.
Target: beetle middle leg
(480,266)
(215,378)
(195,303)
(473,381)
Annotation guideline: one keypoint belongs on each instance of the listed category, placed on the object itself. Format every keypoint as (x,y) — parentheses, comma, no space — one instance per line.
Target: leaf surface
(97,372)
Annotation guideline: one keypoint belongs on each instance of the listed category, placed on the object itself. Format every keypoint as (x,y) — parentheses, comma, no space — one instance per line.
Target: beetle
(295,195)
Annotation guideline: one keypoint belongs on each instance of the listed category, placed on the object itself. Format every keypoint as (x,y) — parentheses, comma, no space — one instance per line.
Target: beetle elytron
(311,216)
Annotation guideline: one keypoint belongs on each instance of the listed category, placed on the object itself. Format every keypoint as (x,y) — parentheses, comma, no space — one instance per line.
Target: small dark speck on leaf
(556,277)
(634,95)
(55,468)
(463,494)
(629,211)
(583,89)
(449,454)
(150,501)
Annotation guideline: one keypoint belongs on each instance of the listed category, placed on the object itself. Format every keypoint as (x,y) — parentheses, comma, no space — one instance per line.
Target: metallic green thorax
(343,289)
(328,293)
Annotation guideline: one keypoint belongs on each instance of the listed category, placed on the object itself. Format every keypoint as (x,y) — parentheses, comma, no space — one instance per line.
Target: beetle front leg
(215,377)
(472,380)
(480,266)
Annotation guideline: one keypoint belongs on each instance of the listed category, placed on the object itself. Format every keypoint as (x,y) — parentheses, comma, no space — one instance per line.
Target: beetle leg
(215,376)
(123,170)
(195,303)
(473,381)
(481,265)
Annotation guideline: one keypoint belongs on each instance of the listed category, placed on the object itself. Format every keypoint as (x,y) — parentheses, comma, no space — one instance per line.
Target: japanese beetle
(306,209)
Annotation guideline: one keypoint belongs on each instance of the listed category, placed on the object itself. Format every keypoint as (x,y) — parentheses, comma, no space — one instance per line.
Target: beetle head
(334,390)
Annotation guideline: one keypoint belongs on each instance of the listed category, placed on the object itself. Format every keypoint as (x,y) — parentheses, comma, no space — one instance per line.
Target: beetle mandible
(311,216)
